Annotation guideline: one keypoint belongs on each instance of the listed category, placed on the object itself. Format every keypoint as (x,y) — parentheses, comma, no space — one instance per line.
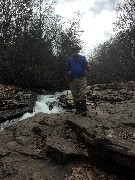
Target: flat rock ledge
(23,149)
(44,146)
(106,140)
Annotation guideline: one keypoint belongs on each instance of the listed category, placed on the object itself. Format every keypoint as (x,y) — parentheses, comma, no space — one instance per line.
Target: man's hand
(69,73)
(70,78)
(88,67)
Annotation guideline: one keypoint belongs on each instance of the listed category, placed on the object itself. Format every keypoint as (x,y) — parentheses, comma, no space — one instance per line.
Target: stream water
(41,105)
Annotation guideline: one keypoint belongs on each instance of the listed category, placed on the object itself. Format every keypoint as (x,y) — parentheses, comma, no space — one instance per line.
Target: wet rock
(15,101)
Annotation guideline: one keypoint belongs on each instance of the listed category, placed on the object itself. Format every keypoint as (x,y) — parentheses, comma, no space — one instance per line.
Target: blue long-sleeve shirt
(77,65)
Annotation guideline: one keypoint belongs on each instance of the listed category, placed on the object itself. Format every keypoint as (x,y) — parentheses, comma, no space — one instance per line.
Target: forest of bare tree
(114,60)
(35,43)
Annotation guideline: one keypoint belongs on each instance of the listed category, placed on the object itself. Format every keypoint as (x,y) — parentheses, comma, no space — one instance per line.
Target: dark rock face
(15,101)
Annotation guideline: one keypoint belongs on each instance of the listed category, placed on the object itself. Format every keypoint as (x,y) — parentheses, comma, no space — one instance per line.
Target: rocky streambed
(66,146)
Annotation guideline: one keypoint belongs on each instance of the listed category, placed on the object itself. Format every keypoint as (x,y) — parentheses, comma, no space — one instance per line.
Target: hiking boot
(77,112)
(83,107)
(77,107)
(84,113)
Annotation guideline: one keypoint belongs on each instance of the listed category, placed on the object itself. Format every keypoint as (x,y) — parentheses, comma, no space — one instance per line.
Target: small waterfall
(45,103)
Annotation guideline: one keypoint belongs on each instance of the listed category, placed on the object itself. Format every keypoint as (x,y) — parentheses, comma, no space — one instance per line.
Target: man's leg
(82,95)
(74,86)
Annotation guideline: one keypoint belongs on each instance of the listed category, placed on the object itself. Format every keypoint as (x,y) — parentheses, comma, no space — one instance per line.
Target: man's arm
(88,67)
(68,70)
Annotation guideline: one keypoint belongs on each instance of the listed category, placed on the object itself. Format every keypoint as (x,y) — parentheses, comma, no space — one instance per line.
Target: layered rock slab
(20,156)
(111,136)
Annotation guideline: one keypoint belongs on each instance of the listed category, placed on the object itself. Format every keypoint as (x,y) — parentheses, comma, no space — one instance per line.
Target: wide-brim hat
(76,47)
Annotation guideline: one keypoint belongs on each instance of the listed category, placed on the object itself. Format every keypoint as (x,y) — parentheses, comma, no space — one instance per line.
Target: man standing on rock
(76,70)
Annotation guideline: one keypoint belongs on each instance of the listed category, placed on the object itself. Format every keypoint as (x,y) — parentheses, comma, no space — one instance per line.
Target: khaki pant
(78,88)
